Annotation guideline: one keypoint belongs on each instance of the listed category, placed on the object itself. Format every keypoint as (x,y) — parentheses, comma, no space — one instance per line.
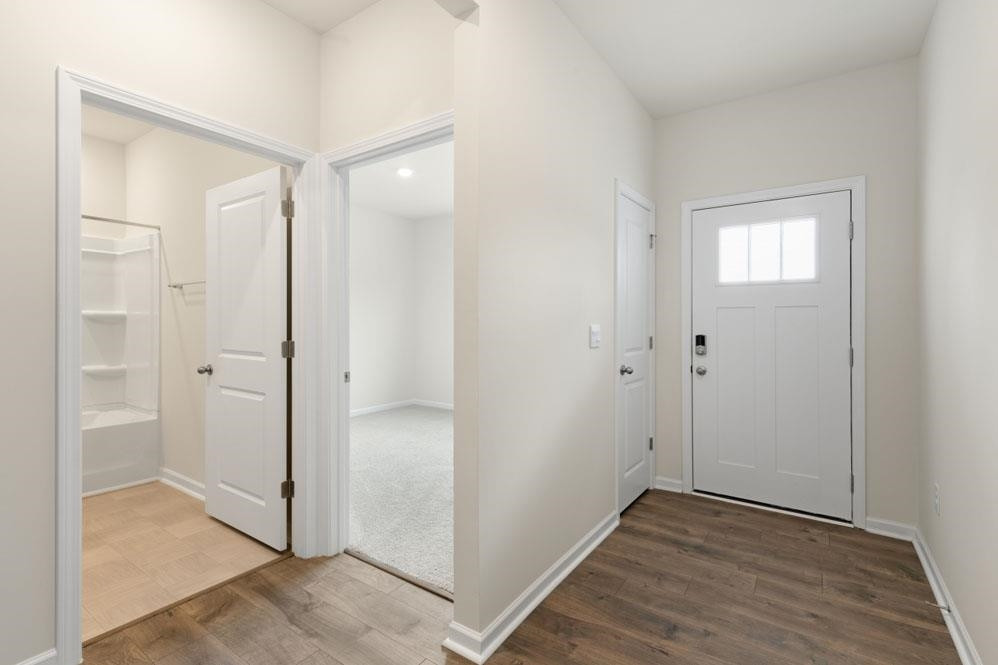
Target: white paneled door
(772,353)
(246,395)
(633,369)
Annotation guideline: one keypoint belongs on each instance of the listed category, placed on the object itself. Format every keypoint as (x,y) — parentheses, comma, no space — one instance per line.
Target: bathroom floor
(149,547)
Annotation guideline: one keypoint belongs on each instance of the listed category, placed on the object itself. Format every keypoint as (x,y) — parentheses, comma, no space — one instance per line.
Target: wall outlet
(935,498)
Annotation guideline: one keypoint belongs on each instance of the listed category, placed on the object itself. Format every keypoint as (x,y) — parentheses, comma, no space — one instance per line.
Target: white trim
(44,658)
(891,529)
(668,484)
(333,306)
(951,615)
(182,483)
(377,408)
(308,443)
(954,622)
(857,188)
(433,405)
(622,189)
(478,647)
(123,486)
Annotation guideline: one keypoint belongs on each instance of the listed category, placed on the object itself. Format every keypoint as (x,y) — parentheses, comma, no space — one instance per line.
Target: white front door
(246,396)
(772,357)
(635,322)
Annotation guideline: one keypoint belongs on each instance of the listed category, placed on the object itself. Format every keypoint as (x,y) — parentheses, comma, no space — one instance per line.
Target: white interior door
(772,381)
(246,398)
(635,322)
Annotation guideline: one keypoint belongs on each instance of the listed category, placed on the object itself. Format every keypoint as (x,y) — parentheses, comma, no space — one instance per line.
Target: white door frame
(856,186)
(335,178)
(308,537)
(622,189)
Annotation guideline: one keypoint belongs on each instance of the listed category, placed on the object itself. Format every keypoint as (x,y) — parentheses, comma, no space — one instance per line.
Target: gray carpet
(402,491)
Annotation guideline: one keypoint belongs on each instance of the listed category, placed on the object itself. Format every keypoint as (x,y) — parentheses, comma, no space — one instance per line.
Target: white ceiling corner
(321,15)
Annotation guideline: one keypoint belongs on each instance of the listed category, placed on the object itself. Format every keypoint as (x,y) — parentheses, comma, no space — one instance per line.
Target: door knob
(206,369)
(624,369)
(701,370)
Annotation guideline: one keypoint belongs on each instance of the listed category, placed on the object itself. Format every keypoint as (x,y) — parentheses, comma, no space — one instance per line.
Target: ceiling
(320,15)
(111,126)
(429,192)
(678,55)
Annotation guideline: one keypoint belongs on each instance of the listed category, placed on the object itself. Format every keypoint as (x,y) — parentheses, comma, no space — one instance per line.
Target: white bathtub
(120,447)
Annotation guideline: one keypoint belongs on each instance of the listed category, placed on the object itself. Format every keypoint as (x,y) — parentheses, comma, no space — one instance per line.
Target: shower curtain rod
(120,221)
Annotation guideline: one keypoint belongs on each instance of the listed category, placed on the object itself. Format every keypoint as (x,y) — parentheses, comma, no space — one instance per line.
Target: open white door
(246,396)
(635,323)
(771,367)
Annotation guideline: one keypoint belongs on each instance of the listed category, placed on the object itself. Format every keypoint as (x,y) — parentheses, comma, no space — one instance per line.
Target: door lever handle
(206,369)
(624,369)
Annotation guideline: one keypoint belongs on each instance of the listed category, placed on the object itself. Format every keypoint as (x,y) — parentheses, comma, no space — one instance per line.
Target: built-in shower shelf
(104,370)
(104,314)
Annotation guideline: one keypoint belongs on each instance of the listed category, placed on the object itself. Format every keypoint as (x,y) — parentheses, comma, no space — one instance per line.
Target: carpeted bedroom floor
(402,491)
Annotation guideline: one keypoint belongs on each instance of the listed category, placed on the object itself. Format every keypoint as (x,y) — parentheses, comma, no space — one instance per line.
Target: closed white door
(635,321)
(772,357)
(246,396)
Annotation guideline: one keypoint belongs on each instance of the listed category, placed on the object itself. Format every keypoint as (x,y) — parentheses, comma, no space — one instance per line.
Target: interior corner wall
(240,61)
(401,310)
(861,123)
(553,128)
(102,184)
(382,308)
(167,175)
(959,238)
(387,67)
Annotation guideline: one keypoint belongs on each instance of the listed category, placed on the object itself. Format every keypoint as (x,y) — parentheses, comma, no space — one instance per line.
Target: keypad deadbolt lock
(700,346)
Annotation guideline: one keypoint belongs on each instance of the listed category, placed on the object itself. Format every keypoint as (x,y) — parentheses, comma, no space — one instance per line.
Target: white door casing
(771,415)
(246,323)
(634,369)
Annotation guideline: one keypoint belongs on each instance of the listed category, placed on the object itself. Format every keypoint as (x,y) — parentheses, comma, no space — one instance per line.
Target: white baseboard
(363,411)
(668,484)
(477,647)
(957,629)
(433,405)
(892,529)
(45,658)
(179,481)
(123,486)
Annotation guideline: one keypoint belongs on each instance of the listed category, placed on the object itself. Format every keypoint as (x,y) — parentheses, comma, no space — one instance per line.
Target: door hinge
(288,489)
(651,240)
(346,377)
(852,229)
(651,443)
(287,208)
(852,357)
(852,483)
(651,343)
(288,348)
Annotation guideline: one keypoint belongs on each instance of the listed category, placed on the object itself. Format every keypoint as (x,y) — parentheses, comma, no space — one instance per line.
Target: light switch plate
(595,336)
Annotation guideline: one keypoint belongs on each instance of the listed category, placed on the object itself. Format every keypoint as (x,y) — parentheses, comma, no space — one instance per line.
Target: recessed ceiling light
(405,173)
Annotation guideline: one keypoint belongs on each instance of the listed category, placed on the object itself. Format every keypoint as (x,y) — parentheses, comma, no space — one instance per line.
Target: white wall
(543,129)
(434,318)
(167,175)
(237,60)
(959,325)
(387,67)
(862,123)
(102,181)
(401,309)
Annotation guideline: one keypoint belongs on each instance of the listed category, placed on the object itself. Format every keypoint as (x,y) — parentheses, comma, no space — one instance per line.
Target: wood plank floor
(148,547)
(683,580)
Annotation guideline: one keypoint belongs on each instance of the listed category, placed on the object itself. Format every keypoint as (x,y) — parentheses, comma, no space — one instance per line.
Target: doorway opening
(401,364)
(184,391)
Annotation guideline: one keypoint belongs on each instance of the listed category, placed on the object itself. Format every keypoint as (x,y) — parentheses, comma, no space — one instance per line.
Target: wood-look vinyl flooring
(148,547)
(684,579)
